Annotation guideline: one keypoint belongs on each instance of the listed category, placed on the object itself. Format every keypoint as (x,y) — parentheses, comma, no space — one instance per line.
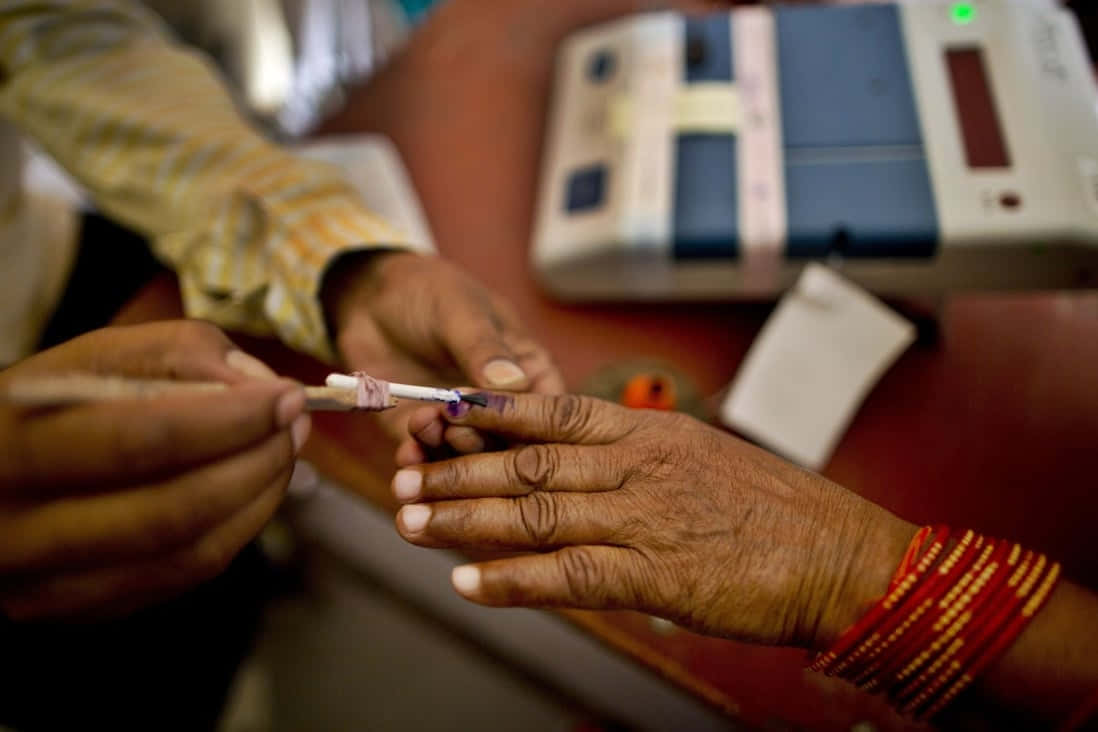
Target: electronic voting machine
(918,147)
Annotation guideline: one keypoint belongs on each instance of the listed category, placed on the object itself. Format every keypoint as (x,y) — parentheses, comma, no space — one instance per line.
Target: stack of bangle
(955,604)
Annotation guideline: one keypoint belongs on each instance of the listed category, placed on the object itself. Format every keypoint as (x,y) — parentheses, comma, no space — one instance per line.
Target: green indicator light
(963,13)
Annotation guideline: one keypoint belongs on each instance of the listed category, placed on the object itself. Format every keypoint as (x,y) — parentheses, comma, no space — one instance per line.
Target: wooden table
(994,425)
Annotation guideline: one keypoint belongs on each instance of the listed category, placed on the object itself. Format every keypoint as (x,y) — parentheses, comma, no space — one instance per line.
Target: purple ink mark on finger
(458,409)
(476,399)
(498,402)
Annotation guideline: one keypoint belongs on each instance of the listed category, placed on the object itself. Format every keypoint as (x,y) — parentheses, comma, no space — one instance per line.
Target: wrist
(856,570)
(349,282)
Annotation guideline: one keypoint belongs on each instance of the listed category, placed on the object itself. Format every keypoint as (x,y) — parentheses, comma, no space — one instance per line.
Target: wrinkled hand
(107,507)
(648,511)
(419,319)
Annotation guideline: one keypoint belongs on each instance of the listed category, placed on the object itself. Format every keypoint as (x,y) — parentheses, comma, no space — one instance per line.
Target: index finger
(119,444)
(541,418)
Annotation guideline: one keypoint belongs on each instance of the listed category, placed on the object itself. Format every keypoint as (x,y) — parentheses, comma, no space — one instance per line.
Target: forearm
(151,131)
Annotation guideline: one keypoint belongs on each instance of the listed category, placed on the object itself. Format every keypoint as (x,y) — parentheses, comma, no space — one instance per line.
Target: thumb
(476,334)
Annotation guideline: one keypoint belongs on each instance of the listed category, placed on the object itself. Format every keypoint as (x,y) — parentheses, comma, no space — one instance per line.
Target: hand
(418,319)
(107,507)
(648,511)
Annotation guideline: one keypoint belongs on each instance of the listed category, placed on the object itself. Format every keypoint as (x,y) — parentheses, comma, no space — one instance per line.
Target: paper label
(818,356)
(707,108)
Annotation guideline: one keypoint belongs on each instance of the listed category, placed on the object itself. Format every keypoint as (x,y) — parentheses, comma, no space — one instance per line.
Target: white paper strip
(813,364)
(707,108)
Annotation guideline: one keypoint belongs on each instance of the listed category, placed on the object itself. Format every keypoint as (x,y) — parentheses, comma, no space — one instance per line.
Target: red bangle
(944,637)
(953,607)
(914,551)
(855,636)
(1000,643)
(899,612)
(868,673)
(881,675)
(922,640)
(994,596)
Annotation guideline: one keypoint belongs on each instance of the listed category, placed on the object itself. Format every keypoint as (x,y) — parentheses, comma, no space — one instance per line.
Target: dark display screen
(978,117)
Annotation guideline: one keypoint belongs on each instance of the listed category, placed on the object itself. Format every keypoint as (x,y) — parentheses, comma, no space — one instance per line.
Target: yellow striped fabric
(149,129)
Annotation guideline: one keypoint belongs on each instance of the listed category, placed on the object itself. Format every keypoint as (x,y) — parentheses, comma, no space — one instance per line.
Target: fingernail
(503,373)
(415,518)
(249,365)
(407,484)
(304,482)
(299,433)
(290,406)
(466,579)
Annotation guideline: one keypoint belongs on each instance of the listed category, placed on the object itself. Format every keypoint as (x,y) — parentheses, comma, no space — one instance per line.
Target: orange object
(650,391)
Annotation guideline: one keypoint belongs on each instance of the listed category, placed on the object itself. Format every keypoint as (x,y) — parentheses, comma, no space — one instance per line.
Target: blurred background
(291,59)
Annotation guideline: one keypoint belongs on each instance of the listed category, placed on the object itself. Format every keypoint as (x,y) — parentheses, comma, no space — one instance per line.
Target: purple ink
(458,409)
(477,399)
(498,402)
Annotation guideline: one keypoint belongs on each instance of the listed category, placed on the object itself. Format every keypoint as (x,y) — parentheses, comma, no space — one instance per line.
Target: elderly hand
(648,511)
(107,507)
(419,319)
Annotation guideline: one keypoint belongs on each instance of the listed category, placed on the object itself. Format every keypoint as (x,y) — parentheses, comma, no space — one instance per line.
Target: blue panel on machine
(857,181)
(705,219)
(844,77)
(708,48)
(705,223)
(869,208)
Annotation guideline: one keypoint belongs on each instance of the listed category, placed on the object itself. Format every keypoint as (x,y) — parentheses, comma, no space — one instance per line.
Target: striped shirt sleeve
(149,129)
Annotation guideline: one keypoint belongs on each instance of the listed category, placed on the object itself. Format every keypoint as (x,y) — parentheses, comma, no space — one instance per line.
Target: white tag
(707,108)
(816,359)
